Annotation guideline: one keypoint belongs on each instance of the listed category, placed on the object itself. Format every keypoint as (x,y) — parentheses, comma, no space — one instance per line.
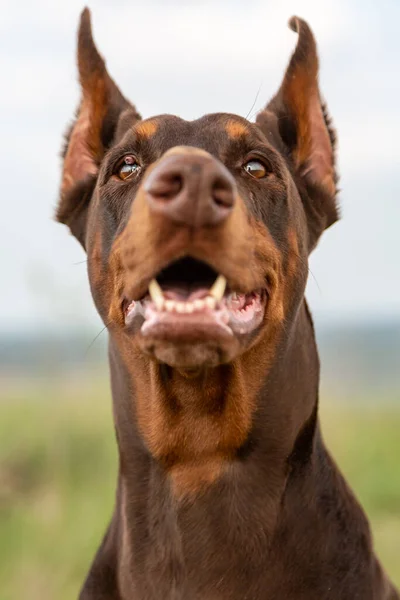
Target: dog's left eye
(128,167)
(256,169)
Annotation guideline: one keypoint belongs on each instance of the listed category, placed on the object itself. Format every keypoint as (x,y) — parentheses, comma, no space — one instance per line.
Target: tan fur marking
(235,129)
(147,129)
(96,261)
(116,285)
(189,480)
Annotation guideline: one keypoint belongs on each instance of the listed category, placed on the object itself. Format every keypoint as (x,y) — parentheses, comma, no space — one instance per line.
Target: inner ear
(74,205)
(80,161)
(304,129)
(100,112)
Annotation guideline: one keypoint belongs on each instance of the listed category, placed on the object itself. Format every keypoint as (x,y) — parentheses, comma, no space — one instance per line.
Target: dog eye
(128,167)
(256,169)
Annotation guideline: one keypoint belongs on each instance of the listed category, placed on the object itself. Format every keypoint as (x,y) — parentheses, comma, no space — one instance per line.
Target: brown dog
(198,235)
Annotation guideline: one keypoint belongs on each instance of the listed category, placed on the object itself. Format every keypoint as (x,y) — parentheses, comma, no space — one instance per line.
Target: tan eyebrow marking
(146,129)
(235,129)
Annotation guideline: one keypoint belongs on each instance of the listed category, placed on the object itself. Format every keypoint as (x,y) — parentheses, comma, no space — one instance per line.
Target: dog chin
(191,354)
(207,337)
(194,355)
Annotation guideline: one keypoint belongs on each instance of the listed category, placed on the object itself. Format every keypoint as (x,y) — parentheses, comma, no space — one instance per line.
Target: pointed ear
(101,108)
(304,128)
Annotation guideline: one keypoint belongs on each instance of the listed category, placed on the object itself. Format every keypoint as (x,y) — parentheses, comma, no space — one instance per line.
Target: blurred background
(57,449)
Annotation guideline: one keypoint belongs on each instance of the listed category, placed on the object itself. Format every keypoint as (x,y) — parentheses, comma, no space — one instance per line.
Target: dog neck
(198,428)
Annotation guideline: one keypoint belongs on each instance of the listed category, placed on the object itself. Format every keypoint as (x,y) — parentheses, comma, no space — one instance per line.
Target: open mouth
(190,298)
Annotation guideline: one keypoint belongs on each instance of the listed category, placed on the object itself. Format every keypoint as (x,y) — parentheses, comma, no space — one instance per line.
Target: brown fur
(225,488)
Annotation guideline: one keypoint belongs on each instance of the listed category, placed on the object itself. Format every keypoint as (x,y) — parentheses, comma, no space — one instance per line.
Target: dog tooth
(198,304)
(156,294)
(210,302)
(170,305)
(218,289)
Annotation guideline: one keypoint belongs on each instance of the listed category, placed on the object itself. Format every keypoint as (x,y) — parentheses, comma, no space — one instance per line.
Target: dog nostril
(166,187)
(197,191)
(222,193)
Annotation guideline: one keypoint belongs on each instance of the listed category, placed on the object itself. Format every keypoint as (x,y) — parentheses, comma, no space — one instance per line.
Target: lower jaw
(198,339)
(221,319)
(191,358)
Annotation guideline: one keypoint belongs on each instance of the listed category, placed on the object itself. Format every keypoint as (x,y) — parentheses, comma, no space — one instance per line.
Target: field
(57,476)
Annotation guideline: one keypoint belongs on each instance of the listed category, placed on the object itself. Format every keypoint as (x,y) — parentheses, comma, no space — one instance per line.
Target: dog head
(198,233)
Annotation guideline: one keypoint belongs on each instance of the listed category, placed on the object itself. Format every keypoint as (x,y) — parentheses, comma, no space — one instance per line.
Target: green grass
(57,480)
(365,442)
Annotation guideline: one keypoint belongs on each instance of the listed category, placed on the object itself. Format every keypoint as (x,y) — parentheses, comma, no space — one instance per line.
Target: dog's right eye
(128,167)
(256,169)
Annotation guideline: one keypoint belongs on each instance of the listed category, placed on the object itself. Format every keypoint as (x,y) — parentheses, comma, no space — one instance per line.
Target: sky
(192,58)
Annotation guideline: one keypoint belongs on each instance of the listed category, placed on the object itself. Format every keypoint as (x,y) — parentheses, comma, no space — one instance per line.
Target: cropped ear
(101,107)
(305,130)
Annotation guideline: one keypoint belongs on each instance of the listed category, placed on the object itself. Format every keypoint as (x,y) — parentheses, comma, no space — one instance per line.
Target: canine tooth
(218,289)
(130,306)
(198,304)
(169,305)
(210,302)
(156,294)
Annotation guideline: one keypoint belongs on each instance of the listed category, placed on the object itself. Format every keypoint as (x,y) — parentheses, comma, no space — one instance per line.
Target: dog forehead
(212,132)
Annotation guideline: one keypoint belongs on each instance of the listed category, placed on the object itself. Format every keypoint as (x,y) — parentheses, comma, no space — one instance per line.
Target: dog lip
(200,317)
(205,323)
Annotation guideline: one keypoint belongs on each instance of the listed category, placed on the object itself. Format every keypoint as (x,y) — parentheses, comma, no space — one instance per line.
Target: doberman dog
(198,236)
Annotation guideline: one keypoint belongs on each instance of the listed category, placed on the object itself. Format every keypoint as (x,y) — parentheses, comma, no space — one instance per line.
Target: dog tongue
(185,293)
(189,293)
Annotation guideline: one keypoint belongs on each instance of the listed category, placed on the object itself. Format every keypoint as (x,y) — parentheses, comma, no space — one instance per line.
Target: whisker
(305,264)
(97,336)
(255,100)
(80,262)
(315,280)
(256,111)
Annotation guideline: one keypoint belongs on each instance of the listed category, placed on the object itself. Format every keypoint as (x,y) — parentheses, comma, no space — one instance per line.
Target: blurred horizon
(359,362)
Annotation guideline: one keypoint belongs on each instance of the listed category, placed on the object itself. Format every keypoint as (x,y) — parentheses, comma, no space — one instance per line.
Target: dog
(197,236)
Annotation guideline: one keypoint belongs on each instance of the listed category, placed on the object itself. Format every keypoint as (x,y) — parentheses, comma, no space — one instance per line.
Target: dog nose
(191,187)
